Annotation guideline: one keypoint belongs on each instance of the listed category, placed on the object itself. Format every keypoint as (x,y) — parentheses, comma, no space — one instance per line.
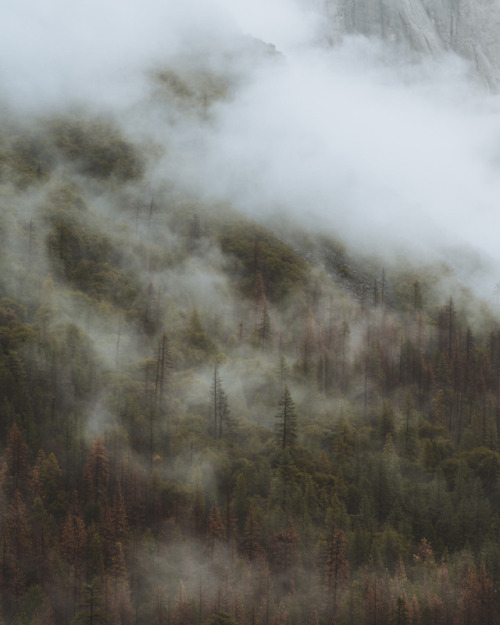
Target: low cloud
(389,153)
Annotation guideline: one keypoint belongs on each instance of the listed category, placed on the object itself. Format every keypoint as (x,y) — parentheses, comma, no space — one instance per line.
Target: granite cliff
(466,27)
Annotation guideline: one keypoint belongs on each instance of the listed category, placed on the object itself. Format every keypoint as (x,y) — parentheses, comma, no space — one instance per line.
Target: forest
(207,419)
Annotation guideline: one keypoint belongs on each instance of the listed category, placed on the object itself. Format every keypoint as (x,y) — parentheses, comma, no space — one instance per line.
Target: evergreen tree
(96,472)
(250,543)
(336,572)
(15,474)
(263,330)
(91,609)
(286,421)
(222,423)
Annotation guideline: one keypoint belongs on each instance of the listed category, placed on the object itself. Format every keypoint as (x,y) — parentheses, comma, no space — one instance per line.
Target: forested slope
(198,421)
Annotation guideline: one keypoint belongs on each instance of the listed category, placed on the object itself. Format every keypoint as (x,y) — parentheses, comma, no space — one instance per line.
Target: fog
(395,155)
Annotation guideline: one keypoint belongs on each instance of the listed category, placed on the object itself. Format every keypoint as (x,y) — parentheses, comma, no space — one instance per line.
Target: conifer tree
(15,473)
(163,372)
(250,543)
(182,611)
(477,601)
(285,547)
(96,471)
(336,572)
(222,423)
(196,335)
(216,532)
(160,410)
(286,421)
(73,547)
(120,589)
(41,539)
(18,529)
(91,609)
(263,330)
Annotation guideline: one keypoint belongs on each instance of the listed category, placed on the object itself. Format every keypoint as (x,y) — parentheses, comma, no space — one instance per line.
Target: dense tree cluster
(272,450)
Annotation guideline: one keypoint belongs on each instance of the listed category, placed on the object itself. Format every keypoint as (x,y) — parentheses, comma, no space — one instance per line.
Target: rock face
(470,28)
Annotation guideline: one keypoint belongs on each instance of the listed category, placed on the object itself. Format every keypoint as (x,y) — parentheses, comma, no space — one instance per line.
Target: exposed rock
(467,27)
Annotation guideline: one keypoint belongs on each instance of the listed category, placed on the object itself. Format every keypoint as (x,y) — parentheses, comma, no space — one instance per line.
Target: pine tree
(182,611)
(163,372)
(222,423)
(15,473)
(477,601)
(96,472)
(121,606)
(73,547)
(336,572)
(41,539)
(263,330)
(18,529)
(196,336)
(216,532)
(250,543)
(92,611)
(285,547)
(286,421)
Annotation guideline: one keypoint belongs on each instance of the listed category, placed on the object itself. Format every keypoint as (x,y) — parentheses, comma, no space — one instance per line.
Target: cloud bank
(390,153)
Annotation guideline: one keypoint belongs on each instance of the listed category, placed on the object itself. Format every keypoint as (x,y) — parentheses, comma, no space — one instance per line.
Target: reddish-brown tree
(477,599)
(96,472)
(336,572)
(16,473)
(250,542)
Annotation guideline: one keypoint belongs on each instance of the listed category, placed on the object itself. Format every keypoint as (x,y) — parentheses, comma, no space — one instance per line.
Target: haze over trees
(289,445)
(210,419)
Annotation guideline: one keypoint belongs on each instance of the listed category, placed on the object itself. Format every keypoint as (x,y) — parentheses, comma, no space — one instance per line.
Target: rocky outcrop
(470,28)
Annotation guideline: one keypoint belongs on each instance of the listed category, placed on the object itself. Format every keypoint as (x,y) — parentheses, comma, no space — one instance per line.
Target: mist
(150,325)
(387,151)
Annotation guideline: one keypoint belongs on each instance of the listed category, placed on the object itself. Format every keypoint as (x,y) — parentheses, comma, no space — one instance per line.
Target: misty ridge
(249,334)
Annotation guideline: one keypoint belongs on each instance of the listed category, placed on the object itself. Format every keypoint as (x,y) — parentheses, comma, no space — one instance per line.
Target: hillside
(201,415)
(249,355)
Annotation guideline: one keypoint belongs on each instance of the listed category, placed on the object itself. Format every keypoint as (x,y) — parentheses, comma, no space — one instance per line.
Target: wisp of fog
(390,153)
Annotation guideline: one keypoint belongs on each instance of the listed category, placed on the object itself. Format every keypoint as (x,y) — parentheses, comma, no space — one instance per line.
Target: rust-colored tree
(18,530)
(15,473)
(73,544)
(216,532)
(115,525)
(41,540)
(120,605)
(96,472)
(477,599)
(285,553)
(336,573)
(250,542)
(376,599)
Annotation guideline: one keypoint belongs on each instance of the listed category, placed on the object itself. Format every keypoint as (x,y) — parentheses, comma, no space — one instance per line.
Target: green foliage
(88,259)
(483,462)
(173,516)
(96,147)
(193,91)
(25,159)
(259,251)
(286,421)
(221,618)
